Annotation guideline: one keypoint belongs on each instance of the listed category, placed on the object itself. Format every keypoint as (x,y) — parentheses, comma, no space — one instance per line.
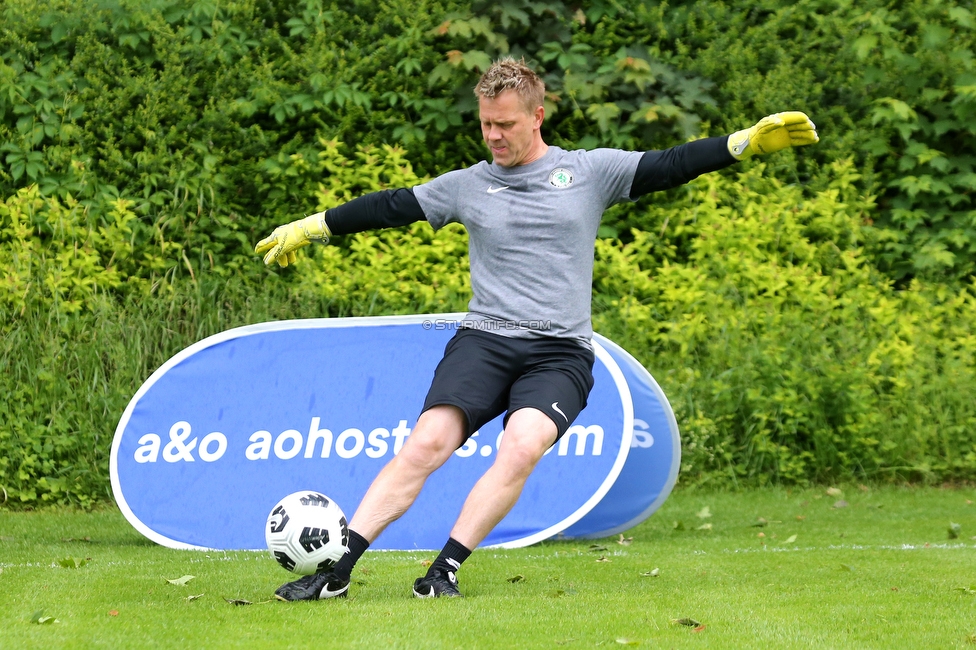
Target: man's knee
(438,433)
(518,458)
(527,436)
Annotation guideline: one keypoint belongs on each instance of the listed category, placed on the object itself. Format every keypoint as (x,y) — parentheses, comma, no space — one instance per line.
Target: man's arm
(384,209)
(661,170)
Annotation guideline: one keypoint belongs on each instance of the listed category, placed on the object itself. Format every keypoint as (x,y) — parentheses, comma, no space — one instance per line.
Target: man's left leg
(528,434)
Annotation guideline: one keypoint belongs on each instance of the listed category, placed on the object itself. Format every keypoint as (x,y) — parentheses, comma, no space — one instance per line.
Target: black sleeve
(383,209)
(662,170)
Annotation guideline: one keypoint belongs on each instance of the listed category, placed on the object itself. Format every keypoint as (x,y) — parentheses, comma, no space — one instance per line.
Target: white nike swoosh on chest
(495,190)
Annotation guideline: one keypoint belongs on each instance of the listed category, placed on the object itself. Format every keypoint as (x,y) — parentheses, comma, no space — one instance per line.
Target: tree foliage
(203,113)
(887,83)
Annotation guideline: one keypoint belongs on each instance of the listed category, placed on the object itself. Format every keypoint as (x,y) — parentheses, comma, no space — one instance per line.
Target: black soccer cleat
(441,583)
(317,586)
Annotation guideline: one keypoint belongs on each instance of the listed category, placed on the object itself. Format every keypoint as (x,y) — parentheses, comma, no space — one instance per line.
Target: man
(532,216)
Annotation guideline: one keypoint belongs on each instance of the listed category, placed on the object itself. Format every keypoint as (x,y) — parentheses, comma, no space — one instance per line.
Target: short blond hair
(509,74)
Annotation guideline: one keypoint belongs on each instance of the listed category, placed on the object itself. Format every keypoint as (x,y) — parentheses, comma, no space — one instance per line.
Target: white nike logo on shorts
(496,189)
(555,407)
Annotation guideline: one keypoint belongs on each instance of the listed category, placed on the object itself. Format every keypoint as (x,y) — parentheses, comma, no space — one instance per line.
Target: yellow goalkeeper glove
(282,243)
(772,133)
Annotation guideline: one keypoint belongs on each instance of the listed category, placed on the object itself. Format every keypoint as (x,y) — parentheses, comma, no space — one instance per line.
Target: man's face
(509,129)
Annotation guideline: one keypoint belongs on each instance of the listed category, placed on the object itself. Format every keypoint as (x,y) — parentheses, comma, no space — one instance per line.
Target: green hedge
(808,313)
(206,115)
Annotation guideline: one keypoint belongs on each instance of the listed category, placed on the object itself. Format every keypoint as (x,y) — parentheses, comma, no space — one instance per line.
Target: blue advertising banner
(223,430)
(652,466)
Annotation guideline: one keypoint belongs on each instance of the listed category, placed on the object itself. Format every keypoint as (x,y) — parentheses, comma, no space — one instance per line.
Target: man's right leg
(439,431)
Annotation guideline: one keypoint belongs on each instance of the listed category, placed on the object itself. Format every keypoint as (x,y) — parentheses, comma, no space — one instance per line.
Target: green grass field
(882,571)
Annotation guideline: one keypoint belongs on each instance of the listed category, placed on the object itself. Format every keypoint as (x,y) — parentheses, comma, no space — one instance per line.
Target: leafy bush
(203,114)
(404,270)
(888,83)
(56,257)
(787,356)
(199,114)
(810,314)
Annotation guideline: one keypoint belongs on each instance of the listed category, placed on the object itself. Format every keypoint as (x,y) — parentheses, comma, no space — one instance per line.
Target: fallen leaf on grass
(840,504)
(704,513)
(624,641)
(72,562)
(625,541)
(894,588)
(653,573)
(688,622)
(238,601)
(603,558)
(863,488)
(954,530)
(801,517)
(834,492)
(760,523)
(38,618)
(180,581)
(113,612)
(761,535)
(192,598)
(516,578)
(705,527)
(790,539)
(700,628)
(596,548)
(970,590)
(425,563)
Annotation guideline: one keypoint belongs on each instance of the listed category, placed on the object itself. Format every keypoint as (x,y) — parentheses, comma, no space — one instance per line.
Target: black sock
(451,557)
(357,546)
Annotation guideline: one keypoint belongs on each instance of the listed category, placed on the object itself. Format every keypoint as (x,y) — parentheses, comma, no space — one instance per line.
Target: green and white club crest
(560,178)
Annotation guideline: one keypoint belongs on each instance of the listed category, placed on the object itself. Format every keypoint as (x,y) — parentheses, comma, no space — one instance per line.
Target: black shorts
(487,374)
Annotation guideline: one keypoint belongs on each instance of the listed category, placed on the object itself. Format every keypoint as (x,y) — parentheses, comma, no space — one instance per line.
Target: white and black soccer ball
(306,532)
